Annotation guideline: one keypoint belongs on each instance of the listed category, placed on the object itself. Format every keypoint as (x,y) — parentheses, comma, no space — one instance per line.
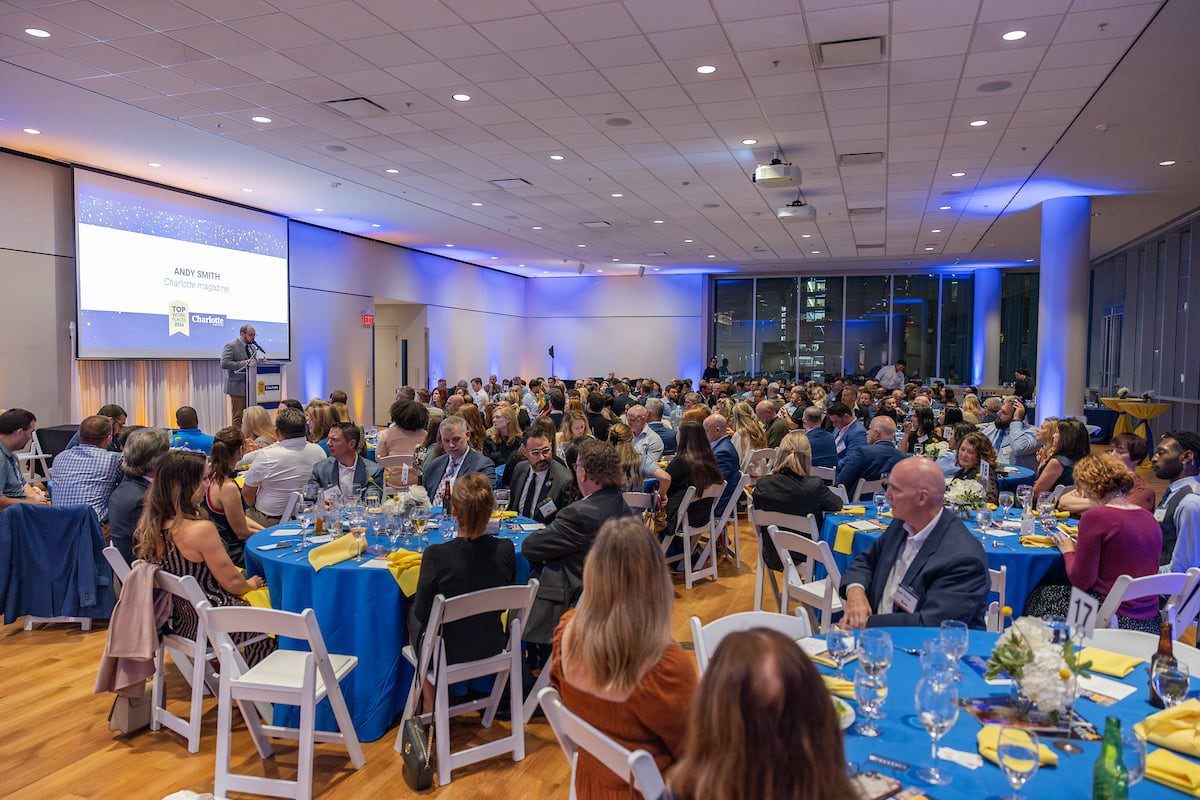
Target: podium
(264,384)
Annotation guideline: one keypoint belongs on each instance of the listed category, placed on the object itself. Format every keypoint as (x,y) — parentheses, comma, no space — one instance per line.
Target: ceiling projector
(796,211)
(776,174)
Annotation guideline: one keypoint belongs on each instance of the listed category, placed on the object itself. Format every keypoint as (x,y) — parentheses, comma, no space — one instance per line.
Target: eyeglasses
(545,451)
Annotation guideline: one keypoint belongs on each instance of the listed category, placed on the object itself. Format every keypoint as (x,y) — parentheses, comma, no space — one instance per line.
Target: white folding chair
(640,501)
(289,510)
(793,523)
(1059,491)
(1163,584)
(573,734)
(760,462)
(707,638)
(504,666)
(731,512)
(994,619)
(117,562)
(34,462)
(193,664)
(395,462)
(826,474)
(291,677)
(705,563)
(865,489)
(820,597)
(840,491)
(1142,645)
(1187,604)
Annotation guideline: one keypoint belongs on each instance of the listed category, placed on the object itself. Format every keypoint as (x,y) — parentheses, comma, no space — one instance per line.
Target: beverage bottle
(1110,777)
(1165,655)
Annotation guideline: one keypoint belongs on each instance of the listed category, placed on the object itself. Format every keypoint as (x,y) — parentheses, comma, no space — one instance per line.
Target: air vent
(850,51)
(511,183)
(656,254)
(868,211)
(596,224)
(870,249)
(859,159)
(357,108)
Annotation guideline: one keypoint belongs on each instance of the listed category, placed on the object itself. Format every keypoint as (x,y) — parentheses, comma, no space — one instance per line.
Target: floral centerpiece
(406,501)
(1041,668)
(965,495)
(936,449)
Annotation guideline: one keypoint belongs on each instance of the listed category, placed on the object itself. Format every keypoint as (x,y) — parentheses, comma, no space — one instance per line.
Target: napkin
(1163,766)
(988,740)
(854,511)
(1108,663)
(838,686)
(844,541)
(503,514)
(405,566)
(1175,728)
(334,552)
(259,598)
(1038,540)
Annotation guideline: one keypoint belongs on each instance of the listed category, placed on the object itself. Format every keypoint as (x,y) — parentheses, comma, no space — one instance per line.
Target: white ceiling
(545,76)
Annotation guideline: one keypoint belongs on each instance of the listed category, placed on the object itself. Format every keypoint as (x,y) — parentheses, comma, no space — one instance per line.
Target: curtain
(150,391)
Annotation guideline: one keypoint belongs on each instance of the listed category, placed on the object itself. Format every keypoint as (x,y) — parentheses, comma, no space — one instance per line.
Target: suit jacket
(599,425)
(868,462)
(124,511)
(667,435)
(948,576)
(730,466)
(473,461)
(789,493)
(852,437)
(325,475)
(562,547)
(556,487)
(824,449)
(776,431)
(233,357)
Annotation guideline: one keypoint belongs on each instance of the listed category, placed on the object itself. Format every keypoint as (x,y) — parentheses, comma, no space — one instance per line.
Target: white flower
(965,493)
(1042,678)
(936,449)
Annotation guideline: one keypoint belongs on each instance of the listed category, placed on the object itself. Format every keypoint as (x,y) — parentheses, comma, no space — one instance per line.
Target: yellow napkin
(335,552)
(259,598)
(240,480)
(838,686)
(662,464)
(1038,540)
(1175,728)
(1062,514)
(854,511)
(992,506)
(1163,766)
(1108,663)
(988,739)
(405,567)
(844,542)
(503,514)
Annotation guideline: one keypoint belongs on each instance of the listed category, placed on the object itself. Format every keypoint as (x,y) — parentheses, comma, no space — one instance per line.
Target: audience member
(16,432)
(89,473)
(616,663)
(926,568)
(407,431)
(257,428)
(223,499)
(281,469)
(540,483)
(849,433)
(716,430)
(748,433)
(991,407)
(821,442)
(320,420)
(974,451)
(871,461)
(338,396)
(1130,450)
(188,435)
(636,467)
(340,412)
(656,408)
(345,470)
(504,437)
(1009,434)
(790,489)
(1071,443)
(595,416)
(1177,461)
(948,461)
(771,420)
(476,430)
(919,429)
(459,458)
(646,442)
(571,431)
(431,447)
(118,417)
(478,394)
(290,403)
(143,451)
(891,376)
(1023,386)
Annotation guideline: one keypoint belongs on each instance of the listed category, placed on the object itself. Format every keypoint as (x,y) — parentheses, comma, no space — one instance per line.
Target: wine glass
(957,638)
(420,518)
(376,522)
(1019,756)
(1025,495)
(918,449)
(502,499)
(840,643)
(1171,681)
(938,663)
(1006,503)
(1045,509)
(1134,747)
(393,528)
(870,690)
(875,650)
(937,708)
(880,501)
(305,514)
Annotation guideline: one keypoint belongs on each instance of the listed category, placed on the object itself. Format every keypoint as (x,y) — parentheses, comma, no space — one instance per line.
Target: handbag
(655,520)
(416,747)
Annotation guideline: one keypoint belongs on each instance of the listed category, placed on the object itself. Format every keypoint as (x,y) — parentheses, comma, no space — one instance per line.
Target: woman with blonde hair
(971,410)
(724,407)
(341,413)
(575,428)
(790,489)
(476,433)
(636,468)
(320,420)
(504,437)
(748,433)
(615,662)
(257,428)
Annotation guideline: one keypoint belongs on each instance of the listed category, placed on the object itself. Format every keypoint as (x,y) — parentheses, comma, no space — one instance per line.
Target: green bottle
(1110,777)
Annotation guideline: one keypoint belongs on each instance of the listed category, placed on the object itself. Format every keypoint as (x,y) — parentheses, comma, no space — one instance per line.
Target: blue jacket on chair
(869,463)
(730,466)
(824,448)
(52,564)
(849,439)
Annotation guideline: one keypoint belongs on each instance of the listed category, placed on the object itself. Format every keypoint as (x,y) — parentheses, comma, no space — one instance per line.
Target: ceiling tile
(116,88)
(278,31)
(551,60)
(1003,63)
(484,10)
(765,34)
(161,15)
(784,85)
(512,91)
(343,20)
(665,15)
(428,75)
(571,84)
(858,22)
(389,50)
(371,82)
(854,77)
(593,22)
(266,95)
(92,20)
(1109,23)
(216,101)
(659,97)
(921,70)
(1084,54)
(318,89)
(165,81)
(734,10)
(55,66)
(930,44)
(919,15)
(217,40)
(327,58)
(521,33)
(230,9)
(106,57)
(216,73)
(780,61)
(411,15)
(998,10)
(460,40)
(270,67)
(160,49)
(690,43)
(639,76)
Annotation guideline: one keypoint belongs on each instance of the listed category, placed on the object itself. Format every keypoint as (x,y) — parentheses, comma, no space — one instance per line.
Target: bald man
(716,428)
(874,459)
(926,568)
(775,425)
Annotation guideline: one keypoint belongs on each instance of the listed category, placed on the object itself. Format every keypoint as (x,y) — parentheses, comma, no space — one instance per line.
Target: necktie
(451,471)
(530,498)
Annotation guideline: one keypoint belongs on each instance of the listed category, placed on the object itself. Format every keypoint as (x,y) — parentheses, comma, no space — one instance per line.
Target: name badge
(904,599)
(548,508)
(1160,514)
(404,474)
(841,447)
(985,471)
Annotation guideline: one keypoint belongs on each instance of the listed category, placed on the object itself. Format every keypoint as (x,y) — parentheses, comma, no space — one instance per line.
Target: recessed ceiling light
(806,236)
(928,249)
(374,224)
(957,174)
(710,255)
(392,171)
(1029,261)
(494,258)
(749,141)
(247,190)
(706,69)
(688,241)
(616,194)
(557,157)
(263,120)
(38,33)
(599,270)
(1166,163)
(658,222)
(154,164)
(943,208)
(1013,36)
(318,209)
(31,131)
(935,230)
(656,269)
(520,265)
(477,205)
(537,227)
(449,245)
(616,259)
(462,98)
(978,123)
(815,252)
(581,245)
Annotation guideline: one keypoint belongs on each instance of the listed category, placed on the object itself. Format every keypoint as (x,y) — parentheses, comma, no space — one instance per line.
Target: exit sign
(368,320)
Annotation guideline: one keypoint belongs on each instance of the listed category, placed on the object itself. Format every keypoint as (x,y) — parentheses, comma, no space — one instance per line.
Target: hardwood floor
(55,742)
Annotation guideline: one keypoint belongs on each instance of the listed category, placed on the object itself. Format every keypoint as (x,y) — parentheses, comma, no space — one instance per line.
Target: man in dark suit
(716,428)
(541,484)
(458,459)
(236,355)
(824,449)
(562,546)
(926,568)
(345,469)
(595,417)
(848,433)
(871,461)
(143,450)
(656,407)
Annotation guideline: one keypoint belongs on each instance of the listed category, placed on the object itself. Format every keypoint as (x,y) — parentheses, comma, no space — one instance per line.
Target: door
(387,370)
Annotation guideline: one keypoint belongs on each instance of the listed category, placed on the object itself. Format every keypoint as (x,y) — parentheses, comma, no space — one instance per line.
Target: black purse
(416,752)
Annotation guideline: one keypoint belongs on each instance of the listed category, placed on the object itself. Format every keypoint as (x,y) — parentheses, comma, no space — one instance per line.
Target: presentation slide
(163,274)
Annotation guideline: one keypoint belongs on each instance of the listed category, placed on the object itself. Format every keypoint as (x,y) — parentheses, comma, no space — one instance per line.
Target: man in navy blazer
(824,448)
(848,434)
(458,459)
(871,461)
(345,469)
(716,428)
(926,568)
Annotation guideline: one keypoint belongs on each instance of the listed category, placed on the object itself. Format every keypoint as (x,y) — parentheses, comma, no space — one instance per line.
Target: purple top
(1114,542)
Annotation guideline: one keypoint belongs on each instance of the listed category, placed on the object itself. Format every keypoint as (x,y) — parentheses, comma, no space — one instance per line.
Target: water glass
(1019,756)
(870,690)
(1025,495)
(1006,500)
(880,501)
(956,636)
(1171,681)
(305,514)
(918,449)
(502,499)
(840,643)
(1134,751)
(938,663)
(875,651)
(937,709)
(420,518)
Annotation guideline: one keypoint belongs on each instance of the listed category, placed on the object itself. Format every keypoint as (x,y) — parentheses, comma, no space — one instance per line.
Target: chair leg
(515,681)
(196,713)
(304,772)
(543,680)
(262,743)
(758,583)
(441,728)
(337,701)
(224,724)
(157,689)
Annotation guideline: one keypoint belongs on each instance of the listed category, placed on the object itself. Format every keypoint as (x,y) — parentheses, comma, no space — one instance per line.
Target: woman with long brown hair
(636,467)
(693,465)
(175,534)
(973,452)
(476,433)
(615,662)
(747,739)
(320,420)
(223,498)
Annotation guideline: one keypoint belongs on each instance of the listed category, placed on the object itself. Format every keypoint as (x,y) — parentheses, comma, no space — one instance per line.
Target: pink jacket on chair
(133,634)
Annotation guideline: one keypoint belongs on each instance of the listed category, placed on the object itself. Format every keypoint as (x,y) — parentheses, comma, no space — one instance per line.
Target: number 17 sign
(1082,613)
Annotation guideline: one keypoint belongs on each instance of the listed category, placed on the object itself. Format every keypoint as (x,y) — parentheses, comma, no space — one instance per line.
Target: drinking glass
(880,501)
(875,650)
(420,518)
(305,514)
(870,690)
(957,638)
(938,663)
(937,708)
(840,643)
(394,529)
(1134,748)
(359,529)
(1045,510)
(1171,681)
(502,499)
(883,479)
(918,449)
(983,518)
(1006,503)
(1018,753)
(1025,495)
(376,523)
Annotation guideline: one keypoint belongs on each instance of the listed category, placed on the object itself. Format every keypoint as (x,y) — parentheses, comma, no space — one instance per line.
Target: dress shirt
(346,479)
(1018,439)
(481,399)
(948,463)
(1187,525)
(912,546)
(527,503)
(530,402)
(281,469)
(448,480)
(85,474)
(12,480)
(890,378)
(648,444)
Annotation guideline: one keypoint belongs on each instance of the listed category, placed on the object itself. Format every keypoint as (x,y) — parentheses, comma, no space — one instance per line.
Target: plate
(845,712)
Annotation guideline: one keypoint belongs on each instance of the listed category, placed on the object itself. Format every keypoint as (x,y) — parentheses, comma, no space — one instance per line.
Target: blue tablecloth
(1012,477)
(904,739)
(1027,566)
(362,613)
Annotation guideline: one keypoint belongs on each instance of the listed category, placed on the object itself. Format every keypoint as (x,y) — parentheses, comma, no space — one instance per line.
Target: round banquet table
(904,739)
(1027,566)
(1012,477)
(362,613)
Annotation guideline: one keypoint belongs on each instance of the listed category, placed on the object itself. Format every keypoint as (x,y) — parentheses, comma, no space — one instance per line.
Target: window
(914,324)
(775,327)
(819,349)
(957,343)
(1018,323)
(733,324)
(867,325)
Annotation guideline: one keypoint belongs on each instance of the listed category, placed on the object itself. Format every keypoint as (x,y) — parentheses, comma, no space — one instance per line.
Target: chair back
(117,562)
(1163,584)
(1187,603)
(760,462)
(814,551)
(731,506)
(865,489)
(707,638)
(826,474)
(574,734)
(639,500)
(222,623)
(1142,645)
(396,461)
(840,491)
(289,510)
(994,617)
(713,492)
